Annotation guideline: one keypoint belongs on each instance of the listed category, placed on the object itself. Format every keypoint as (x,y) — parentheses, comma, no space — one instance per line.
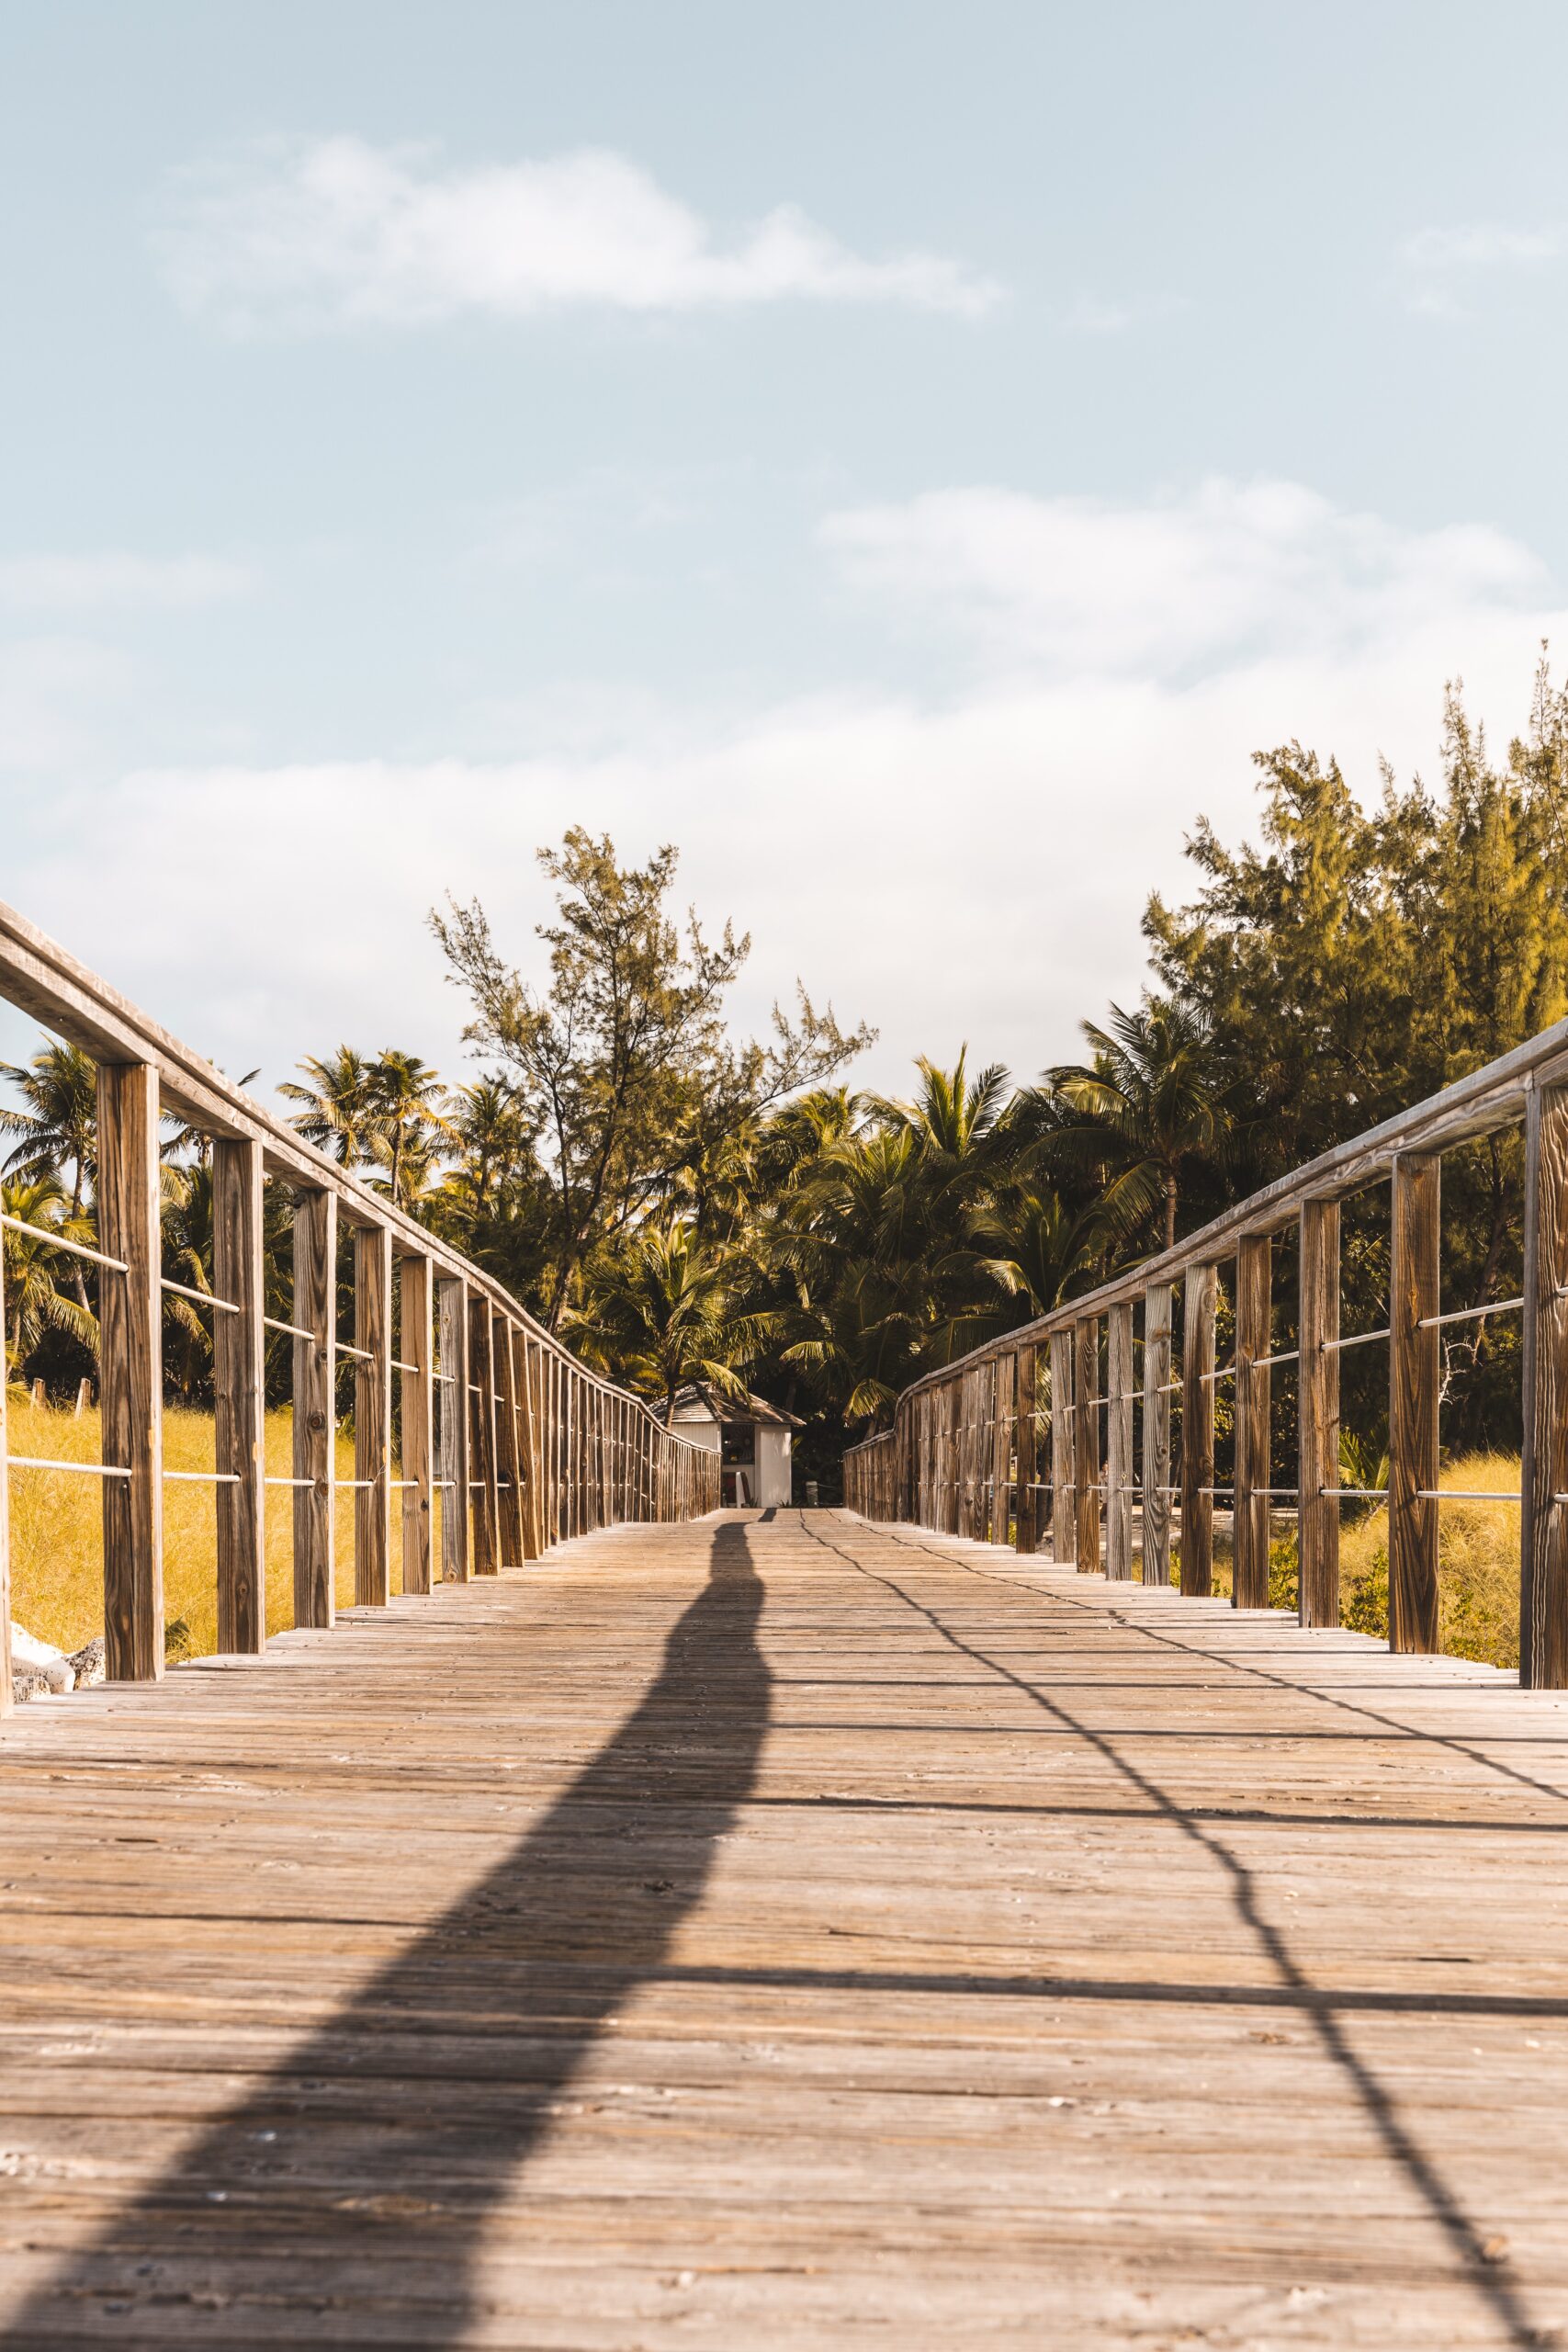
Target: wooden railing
(526,1446)
(1034,1433)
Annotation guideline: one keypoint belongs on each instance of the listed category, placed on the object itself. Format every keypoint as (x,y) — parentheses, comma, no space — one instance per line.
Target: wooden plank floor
(780,1932)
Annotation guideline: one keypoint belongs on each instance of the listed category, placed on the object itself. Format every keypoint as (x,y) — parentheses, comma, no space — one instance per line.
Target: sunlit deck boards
(789,1933)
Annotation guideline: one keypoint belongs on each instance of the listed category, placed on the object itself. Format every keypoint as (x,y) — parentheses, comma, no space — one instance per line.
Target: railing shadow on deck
(356,2167)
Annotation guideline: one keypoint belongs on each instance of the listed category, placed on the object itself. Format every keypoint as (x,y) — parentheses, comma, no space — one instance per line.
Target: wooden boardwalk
(784,1931)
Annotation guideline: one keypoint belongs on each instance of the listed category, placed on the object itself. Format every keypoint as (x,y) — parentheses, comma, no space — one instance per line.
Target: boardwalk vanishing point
(788,1931)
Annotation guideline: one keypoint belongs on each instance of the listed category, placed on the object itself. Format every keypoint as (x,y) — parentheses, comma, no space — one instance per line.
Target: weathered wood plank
(484,1485)
(5,1684)
(372,1415)
(1413,1358)
(1085,1444)
(315,1404)
(509,1451)
(1027,1503)
(1157,1434)
(1254,1393)
(1064,1414)
(706,1904)
(1543,1544)
(1199,1297)
(131,1372)
(239,1390)
(452,1300)
(1119,1442)
(416,1415)
(1317,1518)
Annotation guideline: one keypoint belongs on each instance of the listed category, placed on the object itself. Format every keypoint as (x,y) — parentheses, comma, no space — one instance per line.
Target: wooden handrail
(557,1448)
(947,1462)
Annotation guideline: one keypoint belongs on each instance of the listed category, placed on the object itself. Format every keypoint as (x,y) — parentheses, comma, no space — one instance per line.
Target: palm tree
(406,1106)
(338,1109)
(34,1307)
(1039,1246)
(665,1312)
(59,1128)
(1151,1102)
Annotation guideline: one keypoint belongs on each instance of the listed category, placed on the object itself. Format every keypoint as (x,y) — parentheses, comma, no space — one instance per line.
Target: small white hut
(751,1438)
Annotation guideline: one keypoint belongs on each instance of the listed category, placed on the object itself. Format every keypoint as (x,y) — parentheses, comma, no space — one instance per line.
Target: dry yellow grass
(57,1550)
(1478,1565)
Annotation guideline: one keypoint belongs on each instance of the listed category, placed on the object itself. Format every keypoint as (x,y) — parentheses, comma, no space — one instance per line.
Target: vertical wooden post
(481,1441)
(1412,1295)
(1254,1395)
(1156,1434)
(508,1452)
(1318,1504)
(415,1276)
(5,1690)
(315,1406)
(527,1438)
(372,1414)
(452,1294)
(239,1396)
(1064,1483)
(1119,1442)
(1002,1448)
(130,1380)
(1199,1288)
(1086,1444)
(1543,1544)
(1026,1505)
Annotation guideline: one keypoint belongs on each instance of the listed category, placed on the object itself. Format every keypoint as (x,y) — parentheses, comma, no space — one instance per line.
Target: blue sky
(909,456)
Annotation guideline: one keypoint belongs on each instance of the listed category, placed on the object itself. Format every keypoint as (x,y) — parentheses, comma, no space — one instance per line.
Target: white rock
(41,1659)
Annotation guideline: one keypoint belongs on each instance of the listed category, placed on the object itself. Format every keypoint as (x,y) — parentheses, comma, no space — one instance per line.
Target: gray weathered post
(130,1381)
(239,1396)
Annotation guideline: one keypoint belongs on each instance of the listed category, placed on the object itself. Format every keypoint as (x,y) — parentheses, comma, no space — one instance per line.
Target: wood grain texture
(1119,1442)
(1087,1440)
(788,1935)
(372,1415)
(239,1393)
(452,1308)
(1004,1408)
(524,1356)
(1026,1504)
(1198,1294)
(315,1406)
(1543,1546)
(6,1691)
(1157,1434)
(1317,1513)
(131,1372)
(416,1409)
(1064,1518)
(1414,1357)
(483,1489)
(509,1448)
(1254,1397)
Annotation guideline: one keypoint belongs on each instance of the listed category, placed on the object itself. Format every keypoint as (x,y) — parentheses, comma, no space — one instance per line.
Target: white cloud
(112,578)
(292,235)
(1175,587)
(1440,264)
(1484,245)
(968,864)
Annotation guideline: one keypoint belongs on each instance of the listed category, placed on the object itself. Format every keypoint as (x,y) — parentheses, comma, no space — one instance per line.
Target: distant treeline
(682,1205)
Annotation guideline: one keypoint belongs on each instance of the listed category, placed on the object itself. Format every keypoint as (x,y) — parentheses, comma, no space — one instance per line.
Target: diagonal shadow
(1493,2283)
(364,2170)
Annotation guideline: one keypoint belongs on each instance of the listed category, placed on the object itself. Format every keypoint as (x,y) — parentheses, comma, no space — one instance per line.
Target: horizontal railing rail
(491,1407)
(1032,1434)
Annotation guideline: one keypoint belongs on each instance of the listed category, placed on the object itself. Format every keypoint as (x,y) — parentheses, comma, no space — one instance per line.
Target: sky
(910,457)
